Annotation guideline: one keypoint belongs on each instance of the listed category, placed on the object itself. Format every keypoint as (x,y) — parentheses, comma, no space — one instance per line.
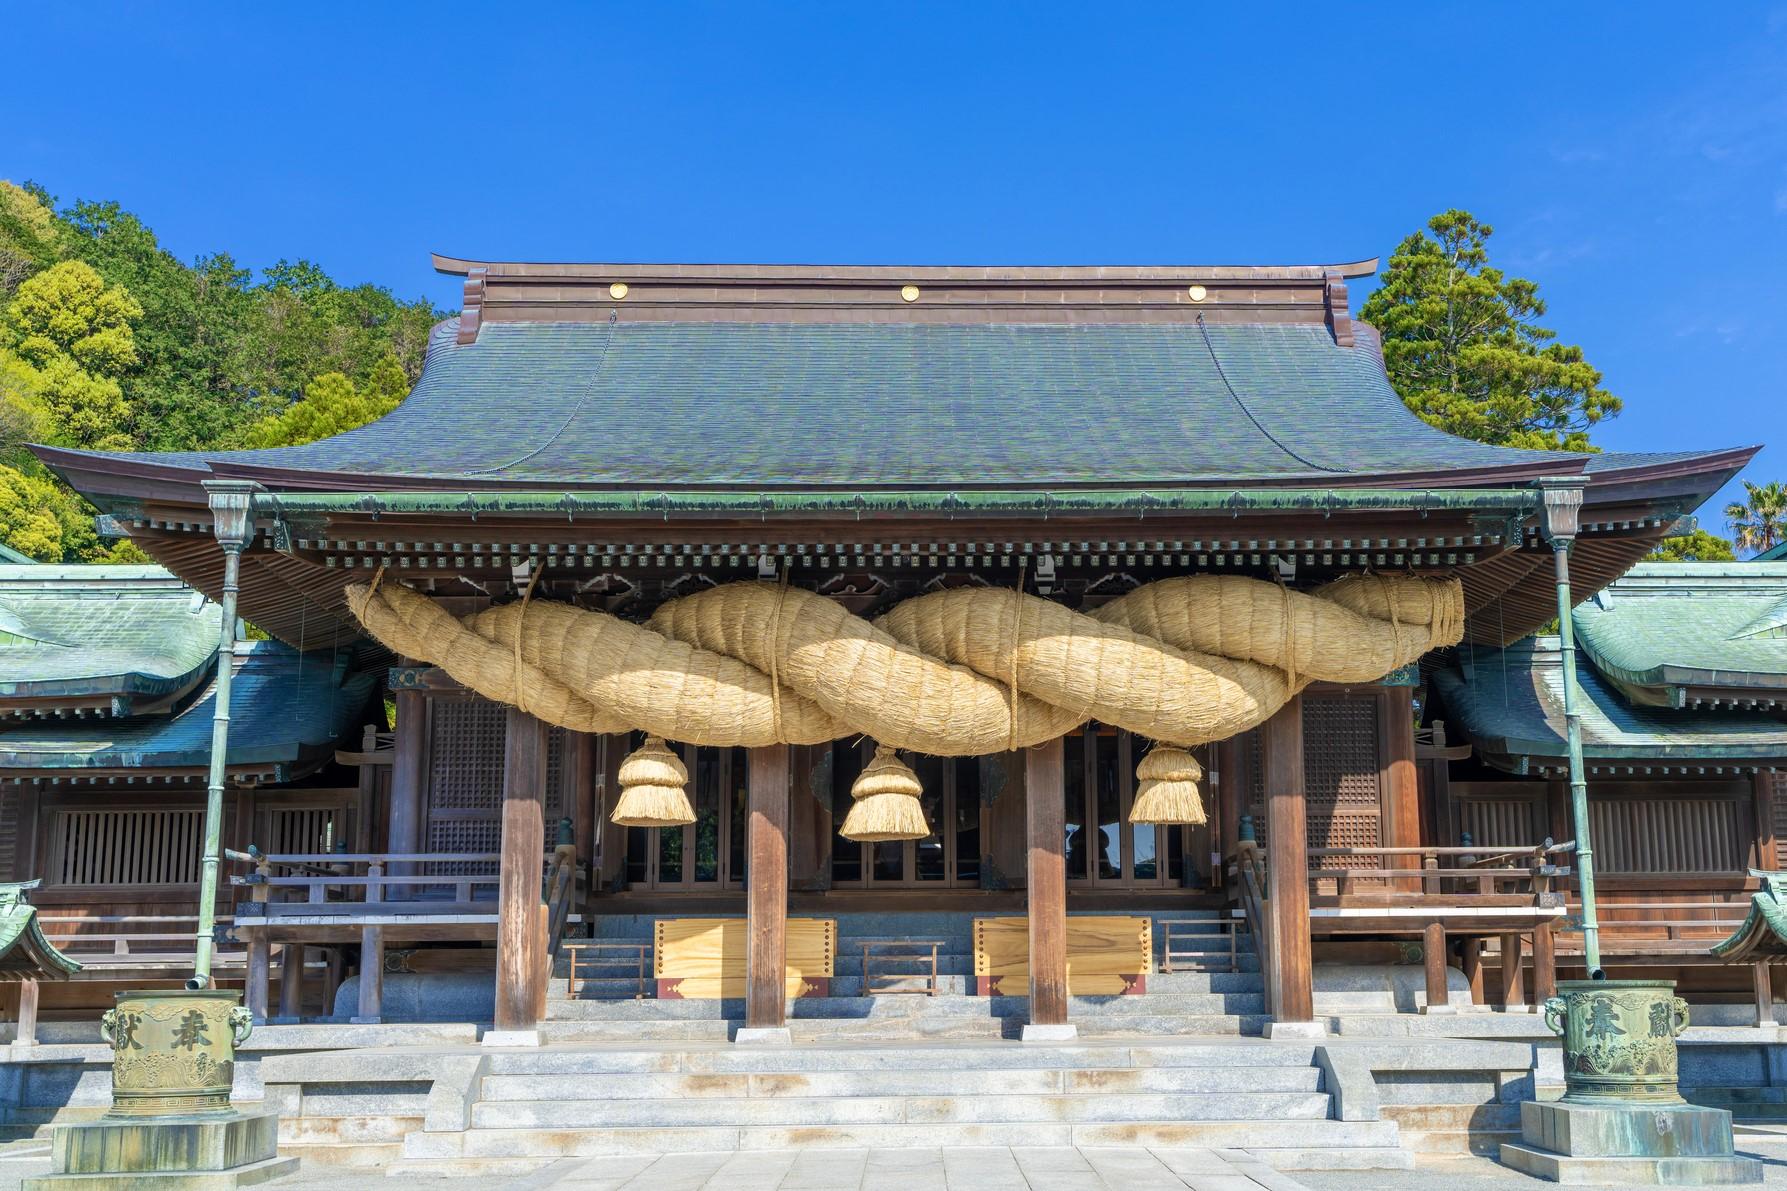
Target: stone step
(481,1150)
(900,1005)
(635,1031)
(718,1060)
(821,1112)
(847,1084)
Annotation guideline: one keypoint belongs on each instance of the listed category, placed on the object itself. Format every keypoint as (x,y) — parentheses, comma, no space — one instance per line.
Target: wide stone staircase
(1202,997)
(1267,1098)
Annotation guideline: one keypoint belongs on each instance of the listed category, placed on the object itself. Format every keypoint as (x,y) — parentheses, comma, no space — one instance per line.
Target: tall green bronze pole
(231,505)
(1563,515)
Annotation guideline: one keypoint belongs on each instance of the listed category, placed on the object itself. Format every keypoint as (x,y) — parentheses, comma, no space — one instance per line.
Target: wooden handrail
(560,887)
(1250,873)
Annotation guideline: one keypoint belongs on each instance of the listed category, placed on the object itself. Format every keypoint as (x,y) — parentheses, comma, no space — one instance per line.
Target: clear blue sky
(1632,157)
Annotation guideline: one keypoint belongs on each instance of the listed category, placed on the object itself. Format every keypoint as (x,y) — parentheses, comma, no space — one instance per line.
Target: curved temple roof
(804,377)
(117,640)
(1511,704)
(1681,634)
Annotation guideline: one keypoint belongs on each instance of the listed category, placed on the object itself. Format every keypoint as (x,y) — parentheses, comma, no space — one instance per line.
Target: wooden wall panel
(1512,822)
(1670,834)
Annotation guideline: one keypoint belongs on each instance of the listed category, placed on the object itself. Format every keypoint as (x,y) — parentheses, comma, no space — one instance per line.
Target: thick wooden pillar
(1287,865)
(255,984)
(1046,889)
(372,976)
(580,763)
(1402,788)
(766,889)
(519,963)
(1470,961)
(1544,964)
(1433,955)
(291,981)
(27,1031)
(1513,977)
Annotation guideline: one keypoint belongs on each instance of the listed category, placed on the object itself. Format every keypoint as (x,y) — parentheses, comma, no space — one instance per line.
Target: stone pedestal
(1663,1145)
(213,1152)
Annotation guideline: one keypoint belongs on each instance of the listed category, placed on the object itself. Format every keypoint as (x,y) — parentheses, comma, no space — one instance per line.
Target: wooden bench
(1107,955)
(704,958)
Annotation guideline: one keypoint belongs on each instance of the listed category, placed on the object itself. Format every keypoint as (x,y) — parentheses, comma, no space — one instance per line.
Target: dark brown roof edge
(882,274)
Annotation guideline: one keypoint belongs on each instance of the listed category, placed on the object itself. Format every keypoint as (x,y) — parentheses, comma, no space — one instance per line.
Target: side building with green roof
(1684,738)
(107,693)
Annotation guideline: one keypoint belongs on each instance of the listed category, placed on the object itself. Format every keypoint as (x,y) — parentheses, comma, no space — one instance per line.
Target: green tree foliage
(332,403)
(108,340)
(73,334)
(1759,521)
(1464,349)
(27,235)
(1698,546)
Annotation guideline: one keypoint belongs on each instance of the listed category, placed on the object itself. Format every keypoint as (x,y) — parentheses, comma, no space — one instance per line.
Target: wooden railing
(374,879)
(607,960)
(1436,871)
(132,941)
(900,966)
(1637,936)
(1178,931)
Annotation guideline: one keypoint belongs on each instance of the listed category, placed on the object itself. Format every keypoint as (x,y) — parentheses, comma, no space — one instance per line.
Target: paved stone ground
(1132,1169)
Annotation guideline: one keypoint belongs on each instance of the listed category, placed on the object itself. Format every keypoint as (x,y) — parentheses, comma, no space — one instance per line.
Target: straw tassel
(654,793)
(886,805)
(1167,788)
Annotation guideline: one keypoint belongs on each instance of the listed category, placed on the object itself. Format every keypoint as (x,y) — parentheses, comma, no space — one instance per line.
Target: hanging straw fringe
(654,788)
(886,802)
(1167,788)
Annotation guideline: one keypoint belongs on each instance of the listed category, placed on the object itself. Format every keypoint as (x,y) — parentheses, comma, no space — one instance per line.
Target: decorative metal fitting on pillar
(1562,506)
(232,510)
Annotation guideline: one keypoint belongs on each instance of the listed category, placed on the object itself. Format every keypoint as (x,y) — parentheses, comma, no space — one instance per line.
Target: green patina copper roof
(1763,932)
(25,954)
(109,638)
(666,404)
(1672,634)
(1510,702)
(288,712)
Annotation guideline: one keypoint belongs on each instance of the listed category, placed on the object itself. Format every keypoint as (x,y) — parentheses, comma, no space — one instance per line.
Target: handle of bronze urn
(1678,1017)
(1554,1015)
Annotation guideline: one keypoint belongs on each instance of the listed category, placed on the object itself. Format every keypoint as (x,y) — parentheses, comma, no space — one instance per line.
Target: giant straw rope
(961,672)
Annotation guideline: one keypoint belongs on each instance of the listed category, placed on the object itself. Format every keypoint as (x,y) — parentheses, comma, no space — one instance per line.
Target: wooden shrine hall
(737,600)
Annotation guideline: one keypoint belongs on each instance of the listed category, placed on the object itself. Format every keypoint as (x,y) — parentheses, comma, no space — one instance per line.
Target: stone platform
(195,1153)
(1666,1145)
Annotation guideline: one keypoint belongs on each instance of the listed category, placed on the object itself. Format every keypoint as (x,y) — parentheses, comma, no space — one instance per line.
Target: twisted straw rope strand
(1183,661)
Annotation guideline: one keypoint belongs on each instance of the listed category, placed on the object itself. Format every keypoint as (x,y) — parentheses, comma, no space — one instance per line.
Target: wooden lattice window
(465,769)
(1341,776)
(126,847)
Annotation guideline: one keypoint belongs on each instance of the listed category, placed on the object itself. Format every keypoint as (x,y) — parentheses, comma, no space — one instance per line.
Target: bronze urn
(1619,1040)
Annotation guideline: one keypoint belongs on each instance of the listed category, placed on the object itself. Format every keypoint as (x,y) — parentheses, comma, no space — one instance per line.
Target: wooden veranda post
(403,832)
(1045,827)
(1287,865)
(766,896)
(520,963)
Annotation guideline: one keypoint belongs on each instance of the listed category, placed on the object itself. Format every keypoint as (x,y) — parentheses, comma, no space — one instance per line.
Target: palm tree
(1760,522)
